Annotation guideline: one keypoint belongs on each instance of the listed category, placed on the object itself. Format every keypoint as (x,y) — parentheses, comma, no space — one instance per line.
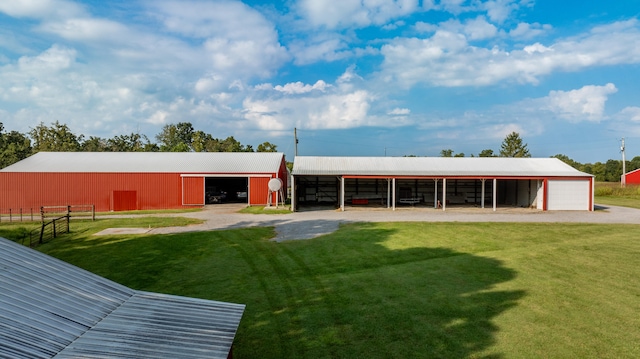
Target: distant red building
(116,181)
(633,177)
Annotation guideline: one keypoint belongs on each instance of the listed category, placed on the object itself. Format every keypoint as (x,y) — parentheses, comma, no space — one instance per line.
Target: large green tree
(176,138)
(446,153)
(513,146)
(57,138)
(14,147)
(134,142)
(267,147)
(486,153)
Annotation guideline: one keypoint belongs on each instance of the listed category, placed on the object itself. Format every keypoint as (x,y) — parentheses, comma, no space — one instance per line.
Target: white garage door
(568,195)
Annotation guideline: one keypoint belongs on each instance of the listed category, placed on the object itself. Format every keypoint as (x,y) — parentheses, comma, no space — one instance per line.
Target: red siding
(633,177)
(258,190)
(193,188)
(125,200)
(32,190)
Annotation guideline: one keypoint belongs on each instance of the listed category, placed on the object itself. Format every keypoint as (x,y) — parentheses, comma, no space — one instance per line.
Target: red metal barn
(118,181)
(633,177)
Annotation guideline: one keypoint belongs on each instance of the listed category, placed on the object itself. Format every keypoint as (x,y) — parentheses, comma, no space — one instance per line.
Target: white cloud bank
(447,59)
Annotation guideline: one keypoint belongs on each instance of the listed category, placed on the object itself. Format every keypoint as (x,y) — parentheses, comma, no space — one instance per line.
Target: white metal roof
(49,308)
(433,167)
(163,162)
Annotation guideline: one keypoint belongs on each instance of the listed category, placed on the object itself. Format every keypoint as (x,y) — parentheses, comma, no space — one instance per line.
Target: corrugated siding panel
(32,190)
(193,190)
(259,190)
(49,308)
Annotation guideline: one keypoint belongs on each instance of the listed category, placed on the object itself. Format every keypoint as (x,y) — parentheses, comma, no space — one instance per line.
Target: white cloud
(479,28)
(331,111)
(528,31)
(446,59)
(236,38)
(300,88)
(400,112)
(354,13)
(40,8)
(319,106)
(87,29)
(630,113)
(500,10)
(584,104)
(55,58)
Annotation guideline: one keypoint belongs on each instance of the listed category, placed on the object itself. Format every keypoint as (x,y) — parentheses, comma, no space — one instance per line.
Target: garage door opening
(226,190)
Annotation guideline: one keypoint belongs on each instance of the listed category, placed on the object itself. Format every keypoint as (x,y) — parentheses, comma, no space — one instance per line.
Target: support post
(444,194)
(388,192)
(483,189)
(342,194)
(293,193)
(495,193)
(393,193)
(435,193)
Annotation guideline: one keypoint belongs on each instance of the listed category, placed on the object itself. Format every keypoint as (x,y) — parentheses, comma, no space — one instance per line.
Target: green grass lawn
(397,290)
(611,193)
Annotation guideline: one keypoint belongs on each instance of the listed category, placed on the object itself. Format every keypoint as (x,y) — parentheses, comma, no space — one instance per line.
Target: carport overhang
(440,203)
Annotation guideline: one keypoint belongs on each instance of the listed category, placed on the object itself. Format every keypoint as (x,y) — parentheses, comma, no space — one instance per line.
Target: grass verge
(264,210)
(611,193)
(385,290)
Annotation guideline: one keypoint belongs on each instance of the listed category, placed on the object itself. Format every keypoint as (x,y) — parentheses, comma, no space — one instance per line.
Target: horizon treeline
(182,137)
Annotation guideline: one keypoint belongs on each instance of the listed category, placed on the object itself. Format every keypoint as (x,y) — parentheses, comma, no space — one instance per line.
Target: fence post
(42,213)
(31,210)
(41,232)
(93,212)
(54,228)
(10,216)
(20,214)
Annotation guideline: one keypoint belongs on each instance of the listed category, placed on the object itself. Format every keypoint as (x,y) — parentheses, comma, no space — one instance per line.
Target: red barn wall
(32,190)
(258,190)
(193,188)
(633,177)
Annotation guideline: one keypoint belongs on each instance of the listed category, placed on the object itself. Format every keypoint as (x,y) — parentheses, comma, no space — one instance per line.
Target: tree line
(181,137)
(514,146)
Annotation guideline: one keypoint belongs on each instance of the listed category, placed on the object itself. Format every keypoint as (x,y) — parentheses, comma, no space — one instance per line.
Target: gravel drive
(313,223)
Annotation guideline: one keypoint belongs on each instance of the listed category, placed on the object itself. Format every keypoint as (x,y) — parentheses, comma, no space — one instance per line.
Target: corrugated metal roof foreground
(51,309)
(163,162)
(433,167)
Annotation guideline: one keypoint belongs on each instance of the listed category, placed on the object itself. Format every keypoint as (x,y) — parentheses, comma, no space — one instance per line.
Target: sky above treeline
(355,77)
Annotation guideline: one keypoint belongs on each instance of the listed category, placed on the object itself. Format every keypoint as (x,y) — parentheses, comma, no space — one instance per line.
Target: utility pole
(295,137)
(623,181)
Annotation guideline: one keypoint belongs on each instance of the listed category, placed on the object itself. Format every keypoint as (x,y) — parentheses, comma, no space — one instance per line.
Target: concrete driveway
(313,223)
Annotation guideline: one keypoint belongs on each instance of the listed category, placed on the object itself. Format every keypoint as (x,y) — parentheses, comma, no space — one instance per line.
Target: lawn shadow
(347,295)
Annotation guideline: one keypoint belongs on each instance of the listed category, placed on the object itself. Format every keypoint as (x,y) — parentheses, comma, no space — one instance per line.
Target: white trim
(209,175)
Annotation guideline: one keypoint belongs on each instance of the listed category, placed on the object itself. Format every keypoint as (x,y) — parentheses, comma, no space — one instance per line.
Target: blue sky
(355,77)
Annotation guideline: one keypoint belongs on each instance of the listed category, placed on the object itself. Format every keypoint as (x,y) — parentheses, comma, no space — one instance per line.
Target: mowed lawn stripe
(385,290)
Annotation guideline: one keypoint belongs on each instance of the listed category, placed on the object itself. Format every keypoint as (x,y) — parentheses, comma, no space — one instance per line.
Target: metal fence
(54,221)
(16,215)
